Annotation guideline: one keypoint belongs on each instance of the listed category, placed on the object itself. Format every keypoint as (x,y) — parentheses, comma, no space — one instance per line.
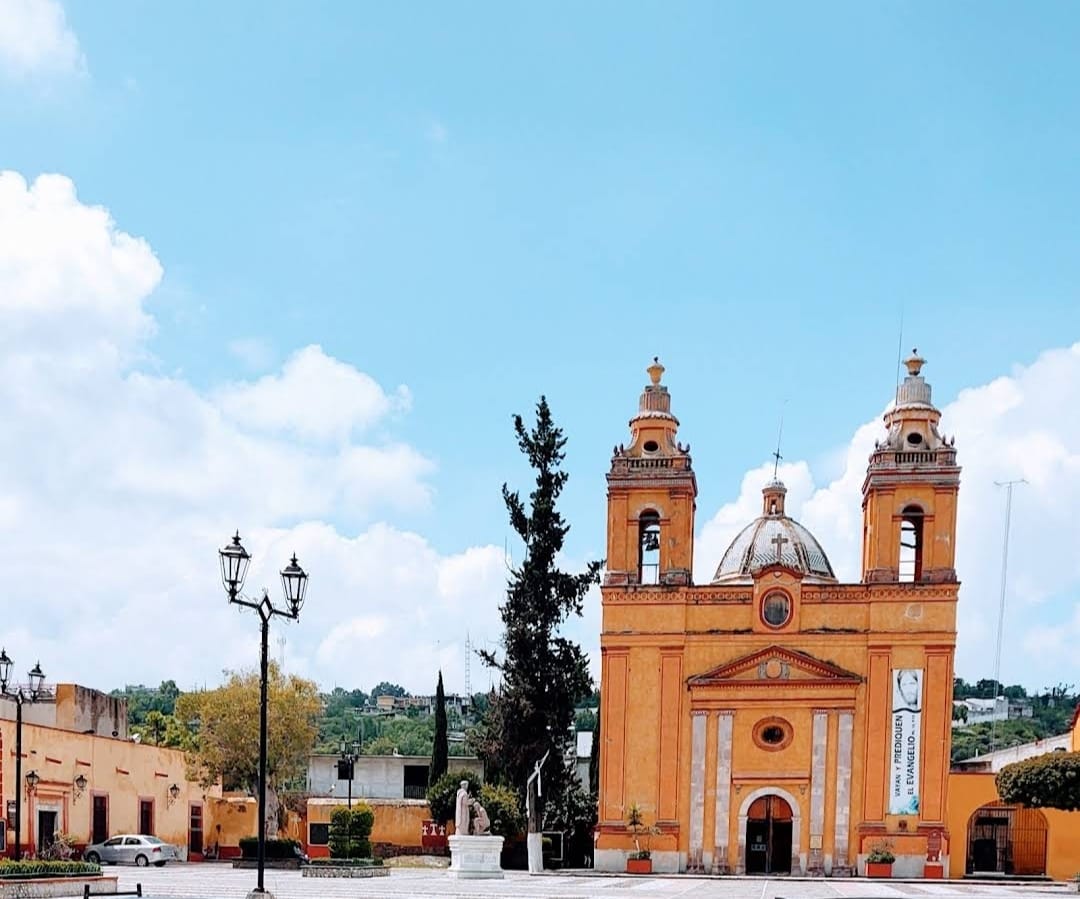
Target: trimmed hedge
(275,849)
(1046,781)
(36,868)
(350,831)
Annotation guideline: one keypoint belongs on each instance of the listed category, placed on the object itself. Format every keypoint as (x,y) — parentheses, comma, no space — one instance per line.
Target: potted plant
(639,861)
(879,860)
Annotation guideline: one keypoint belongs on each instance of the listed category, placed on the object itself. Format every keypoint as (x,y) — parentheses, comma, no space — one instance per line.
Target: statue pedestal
(474,858)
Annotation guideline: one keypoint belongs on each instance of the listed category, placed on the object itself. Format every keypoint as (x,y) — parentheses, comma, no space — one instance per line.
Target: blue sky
(486,203)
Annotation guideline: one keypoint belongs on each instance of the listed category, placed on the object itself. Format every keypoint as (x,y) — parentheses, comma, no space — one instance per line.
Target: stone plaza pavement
(216,881)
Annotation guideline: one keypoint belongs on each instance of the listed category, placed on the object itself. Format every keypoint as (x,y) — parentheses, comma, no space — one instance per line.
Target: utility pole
(1008,485)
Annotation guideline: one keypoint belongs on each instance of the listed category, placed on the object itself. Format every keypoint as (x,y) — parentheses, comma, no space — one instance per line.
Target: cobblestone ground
(208,881)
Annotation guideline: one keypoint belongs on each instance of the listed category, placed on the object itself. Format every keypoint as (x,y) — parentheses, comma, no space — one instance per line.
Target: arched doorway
(1006,839)
(768,836)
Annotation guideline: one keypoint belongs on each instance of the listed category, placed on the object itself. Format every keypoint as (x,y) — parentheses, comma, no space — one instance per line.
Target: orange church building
(776,720)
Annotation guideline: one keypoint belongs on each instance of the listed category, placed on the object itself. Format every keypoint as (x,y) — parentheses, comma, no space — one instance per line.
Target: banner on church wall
(906,743)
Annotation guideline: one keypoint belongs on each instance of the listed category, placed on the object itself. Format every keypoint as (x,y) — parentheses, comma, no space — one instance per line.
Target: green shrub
(61,849)
(442,794)
(503,809)
(881,853)
(275,849)
(350,831)
(42,868)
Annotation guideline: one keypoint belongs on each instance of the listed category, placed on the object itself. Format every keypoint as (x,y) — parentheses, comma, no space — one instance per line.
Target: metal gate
(1006,839)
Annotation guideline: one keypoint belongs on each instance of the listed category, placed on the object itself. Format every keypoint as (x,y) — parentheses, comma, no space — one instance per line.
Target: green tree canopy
(228,731)
(385,688)
(159,729)
(1046,781)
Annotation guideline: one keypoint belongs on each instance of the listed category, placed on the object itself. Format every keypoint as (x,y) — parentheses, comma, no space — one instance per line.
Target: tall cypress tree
(544,675)
(441,749)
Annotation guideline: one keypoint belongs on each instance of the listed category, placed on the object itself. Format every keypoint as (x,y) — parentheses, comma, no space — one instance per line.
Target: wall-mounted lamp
(174,794)
(32,779)
(79,787)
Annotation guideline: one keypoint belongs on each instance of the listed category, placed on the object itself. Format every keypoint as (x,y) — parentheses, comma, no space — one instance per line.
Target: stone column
(723,792)
(698,720)
(841,865)
(820,736)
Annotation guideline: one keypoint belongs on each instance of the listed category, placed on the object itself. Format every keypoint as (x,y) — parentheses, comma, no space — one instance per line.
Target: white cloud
(315,397)
(35,39)
(1018,426)
(72,282)
(117,486)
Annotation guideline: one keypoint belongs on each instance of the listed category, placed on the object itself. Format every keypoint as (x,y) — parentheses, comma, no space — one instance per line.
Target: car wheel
(142,861)
(159,864)
(93,858)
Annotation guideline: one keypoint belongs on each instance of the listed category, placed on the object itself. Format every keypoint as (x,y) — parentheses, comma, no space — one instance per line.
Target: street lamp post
(347,763)
(234,565)
(20,695)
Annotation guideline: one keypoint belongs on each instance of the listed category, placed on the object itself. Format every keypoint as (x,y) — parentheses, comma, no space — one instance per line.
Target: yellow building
(999,838)
(775,720)
(91,781)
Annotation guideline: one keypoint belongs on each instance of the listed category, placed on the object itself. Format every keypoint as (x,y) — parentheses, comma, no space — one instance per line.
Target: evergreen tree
(441,750)
(544,675)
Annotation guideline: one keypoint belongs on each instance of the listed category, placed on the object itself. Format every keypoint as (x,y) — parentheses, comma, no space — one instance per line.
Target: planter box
(933,871)
(879,869)
(344,871)
(639,866)
(282,864)
(12,888)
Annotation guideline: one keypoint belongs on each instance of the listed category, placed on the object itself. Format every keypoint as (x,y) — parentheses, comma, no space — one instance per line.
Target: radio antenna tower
(1008,485)
(468,665)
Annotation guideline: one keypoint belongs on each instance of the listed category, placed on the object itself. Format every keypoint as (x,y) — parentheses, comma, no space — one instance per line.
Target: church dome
(774,539)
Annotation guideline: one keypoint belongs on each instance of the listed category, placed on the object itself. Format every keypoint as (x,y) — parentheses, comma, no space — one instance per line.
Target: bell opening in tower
(649,548)
(911,545)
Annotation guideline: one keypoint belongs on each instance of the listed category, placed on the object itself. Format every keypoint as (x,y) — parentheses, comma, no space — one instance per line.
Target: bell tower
(652,495)
(910,491)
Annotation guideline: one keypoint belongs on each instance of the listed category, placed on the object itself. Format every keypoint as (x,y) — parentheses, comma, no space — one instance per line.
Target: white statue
(461,810)
(481,825)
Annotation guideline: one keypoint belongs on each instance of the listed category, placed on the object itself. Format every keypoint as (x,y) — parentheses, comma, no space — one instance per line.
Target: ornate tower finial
(656,370)
(914,363)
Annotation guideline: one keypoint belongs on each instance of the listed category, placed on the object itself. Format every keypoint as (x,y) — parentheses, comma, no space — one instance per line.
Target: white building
(380,776)
(999,758)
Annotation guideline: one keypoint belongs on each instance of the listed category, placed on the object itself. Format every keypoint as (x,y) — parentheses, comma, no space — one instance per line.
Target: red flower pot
(639,866)
(879,869)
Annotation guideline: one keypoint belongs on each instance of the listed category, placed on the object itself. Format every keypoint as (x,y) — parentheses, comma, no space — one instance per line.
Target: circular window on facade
(772,734)
(650,446)
(776,609)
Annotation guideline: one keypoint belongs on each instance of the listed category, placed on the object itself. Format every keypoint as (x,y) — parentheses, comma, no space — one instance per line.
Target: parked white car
(130,849)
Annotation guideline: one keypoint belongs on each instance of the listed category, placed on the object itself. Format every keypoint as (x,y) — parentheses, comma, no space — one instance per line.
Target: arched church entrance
(1006,839)
(768,836)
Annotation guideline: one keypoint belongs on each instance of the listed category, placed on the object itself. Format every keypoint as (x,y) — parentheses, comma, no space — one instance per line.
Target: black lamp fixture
(32,779)
(174,794)
(234,566)
(79,787)
(20,695)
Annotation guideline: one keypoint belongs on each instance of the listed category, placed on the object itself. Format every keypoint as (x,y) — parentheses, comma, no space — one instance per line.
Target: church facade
(776,720)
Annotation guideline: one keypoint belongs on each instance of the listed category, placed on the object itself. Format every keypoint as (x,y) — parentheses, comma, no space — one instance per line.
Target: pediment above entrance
(766,667)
